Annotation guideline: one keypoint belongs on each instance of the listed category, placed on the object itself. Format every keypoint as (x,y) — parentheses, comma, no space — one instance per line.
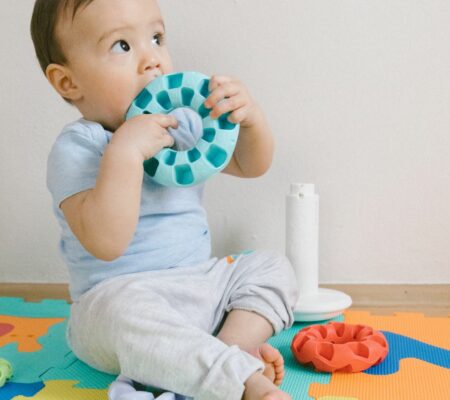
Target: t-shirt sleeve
(73,163)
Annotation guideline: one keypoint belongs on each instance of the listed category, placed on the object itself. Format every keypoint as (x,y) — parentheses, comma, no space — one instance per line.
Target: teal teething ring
(214,149)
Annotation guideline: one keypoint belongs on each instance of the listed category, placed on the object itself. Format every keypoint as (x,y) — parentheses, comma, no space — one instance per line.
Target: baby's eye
(157,39)
(120,47)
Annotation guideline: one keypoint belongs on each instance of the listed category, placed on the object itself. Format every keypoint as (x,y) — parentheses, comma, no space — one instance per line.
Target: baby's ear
(60,77)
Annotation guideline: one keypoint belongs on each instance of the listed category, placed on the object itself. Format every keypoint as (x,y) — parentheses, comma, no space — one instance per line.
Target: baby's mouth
(153,77)
(149,80)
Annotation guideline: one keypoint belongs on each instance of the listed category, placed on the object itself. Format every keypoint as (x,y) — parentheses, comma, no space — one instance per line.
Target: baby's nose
(148,62)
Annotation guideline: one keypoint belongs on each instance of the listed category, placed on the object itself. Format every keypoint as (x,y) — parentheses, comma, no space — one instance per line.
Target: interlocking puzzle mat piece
(5,328)
(11,390)
(45,309)
(50,359)
(29,366)
(26,331)
(65,390)
(415,380)
(337,398)
(87,377)
(297,377)
(412,335)
(401,347)
(431,330)
(68,378)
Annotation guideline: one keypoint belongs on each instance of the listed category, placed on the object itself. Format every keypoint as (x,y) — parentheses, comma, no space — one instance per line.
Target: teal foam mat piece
(17,307)
(55,361)
(88,377)
(298,378)
(29,366)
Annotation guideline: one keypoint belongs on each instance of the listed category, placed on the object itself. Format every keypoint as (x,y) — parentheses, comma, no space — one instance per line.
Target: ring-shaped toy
(213,150)
(339,347)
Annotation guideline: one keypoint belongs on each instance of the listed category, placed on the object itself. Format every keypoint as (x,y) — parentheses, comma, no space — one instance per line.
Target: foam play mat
(32,339)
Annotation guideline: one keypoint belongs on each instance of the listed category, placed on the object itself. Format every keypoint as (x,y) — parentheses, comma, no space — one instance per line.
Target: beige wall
(357,93)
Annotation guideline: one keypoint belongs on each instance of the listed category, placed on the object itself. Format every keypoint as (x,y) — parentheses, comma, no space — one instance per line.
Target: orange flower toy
(339,347)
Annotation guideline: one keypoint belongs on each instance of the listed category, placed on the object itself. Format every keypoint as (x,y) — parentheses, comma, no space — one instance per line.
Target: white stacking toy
(302,249)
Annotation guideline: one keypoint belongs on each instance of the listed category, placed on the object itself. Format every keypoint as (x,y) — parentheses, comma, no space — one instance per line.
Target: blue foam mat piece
(11,389)
(401,347)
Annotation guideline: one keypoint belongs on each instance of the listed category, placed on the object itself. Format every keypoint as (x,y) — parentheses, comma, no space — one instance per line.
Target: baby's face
(114,48)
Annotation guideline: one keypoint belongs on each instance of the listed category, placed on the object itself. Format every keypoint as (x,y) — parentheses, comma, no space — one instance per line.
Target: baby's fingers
(220,93)
(227,105)
(166,121)
(168,140)
(217,80)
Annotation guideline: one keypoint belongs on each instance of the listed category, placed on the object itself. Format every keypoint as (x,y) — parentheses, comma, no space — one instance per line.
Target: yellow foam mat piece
(65,390)
(434,384)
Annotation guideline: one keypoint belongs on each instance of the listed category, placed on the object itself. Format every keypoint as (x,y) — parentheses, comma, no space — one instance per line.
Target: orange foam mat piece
(337,398)
(431,330)
(26,331)
(416,379)
(65,390)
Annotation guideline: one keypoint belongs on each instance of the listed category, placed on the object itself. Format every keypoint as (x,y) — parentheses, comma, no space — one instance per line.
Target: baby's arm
(253,154)
(254,149)
(104,218)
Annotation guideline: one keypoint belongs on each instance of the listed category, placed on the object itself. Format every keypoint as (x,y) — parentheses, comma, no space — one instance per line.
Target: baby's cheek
(121,100)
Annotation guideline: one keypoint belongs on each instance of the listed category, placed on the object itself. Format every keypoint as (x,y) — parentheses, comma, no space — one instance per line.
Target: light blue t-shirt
(172,228)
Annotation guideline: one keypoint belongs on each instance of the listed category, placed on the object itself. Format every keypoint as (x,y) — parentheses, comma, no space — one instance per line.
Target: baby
(149,302)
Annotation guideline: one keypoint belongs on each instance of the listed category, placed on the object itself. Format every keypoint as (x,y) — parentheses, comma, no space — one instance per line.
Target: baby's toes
(272,356)
(279,372)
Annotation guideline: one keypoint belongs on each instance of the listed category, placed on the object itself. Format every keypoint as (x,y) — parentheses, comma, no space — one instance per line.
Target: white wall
(357,93)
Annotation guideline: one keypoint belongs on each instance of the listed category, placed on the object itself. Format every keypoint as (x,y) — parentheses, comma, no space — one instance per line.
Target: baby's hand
(230,95)
(145,134)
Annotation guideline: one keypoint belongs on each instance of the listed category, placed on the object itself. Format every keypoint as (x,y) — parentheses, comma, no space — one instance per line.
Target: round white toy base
(321,305)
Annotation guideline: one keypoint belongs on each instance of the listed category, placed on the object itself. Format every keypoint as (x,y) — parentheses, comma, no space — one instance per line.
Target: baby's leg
(247,329)
(250,331)
(261,300)
(131,326)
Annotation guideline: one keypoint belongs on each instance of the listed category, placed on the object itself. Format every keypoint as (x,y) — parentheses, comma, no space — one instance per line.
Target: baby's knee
(287,279)
(277,273)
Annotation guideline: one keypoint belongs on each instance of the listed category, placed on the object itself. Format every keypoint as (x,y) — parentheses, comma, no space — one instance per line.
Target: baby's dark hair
(46,14)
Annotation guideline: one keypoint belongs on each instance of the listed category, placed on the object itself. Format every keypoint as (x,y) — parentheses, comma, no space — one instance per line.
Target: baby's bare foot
(258,387)
(273,360)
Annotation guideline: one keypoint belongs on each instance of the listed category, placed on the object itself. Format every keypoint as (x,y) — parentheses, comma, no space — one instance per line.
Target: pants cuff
(226,378)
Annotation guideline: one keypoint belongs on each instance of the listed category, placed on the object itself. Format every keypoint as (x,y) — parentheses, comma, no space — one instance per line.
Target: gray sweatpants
(158,327)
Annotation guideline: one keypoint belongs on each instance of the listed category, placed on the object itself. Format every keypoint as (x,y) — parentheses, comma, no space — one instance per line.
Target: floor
(431,300)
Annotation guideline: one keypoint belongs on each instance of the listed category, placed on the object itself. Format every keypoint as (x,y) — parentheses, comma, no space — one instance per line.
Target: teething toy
(214,149)
(6,371)
(339,347)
